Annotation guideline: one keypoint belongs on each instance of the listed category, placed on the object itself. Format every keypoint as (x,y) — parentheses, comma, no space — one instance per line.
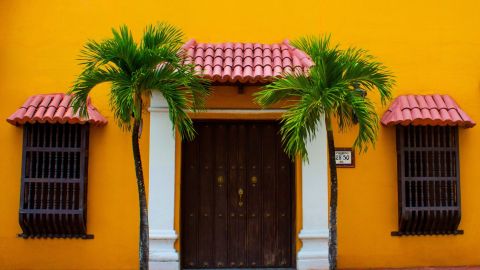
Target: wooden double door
(237,197)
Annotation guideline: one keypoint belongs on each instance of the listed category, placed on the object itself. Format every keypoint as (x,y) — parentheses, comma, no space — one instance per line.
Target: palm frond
(315,46)
(183,91)
(328,90)
(178,107)
(367,118)
(292,85)
(134,71)
(163,35)
(86,81)
(122,100)
(362,69)
(197,89)
(95,53)
(120,50)
(124,49)
(298,125)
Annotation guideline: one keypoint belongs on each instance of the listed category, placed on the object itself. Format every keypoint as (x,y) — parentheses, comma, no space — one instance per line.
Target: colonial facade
(231,198)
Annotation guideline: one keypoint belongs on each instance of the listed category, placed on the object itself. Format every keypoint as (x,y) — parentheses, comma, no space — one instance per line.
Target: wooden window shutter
(428,180)
(53,199)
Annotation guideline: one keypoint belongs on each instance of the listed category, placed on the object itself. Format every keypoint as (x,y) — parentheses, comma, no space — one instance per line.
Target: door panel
(189,206)
(284,217)
(254,199)
(206,199)
(237,197)
(269,198)
(221,210)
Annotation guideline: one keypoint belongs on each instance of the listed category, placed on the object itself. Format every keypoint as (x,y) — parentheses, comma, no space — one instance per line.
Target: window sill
(397,233)
(57,236)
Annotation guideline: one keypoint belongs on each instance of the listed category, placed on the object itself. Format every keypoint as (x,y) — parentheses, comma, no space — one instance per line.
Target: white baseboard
(164,265)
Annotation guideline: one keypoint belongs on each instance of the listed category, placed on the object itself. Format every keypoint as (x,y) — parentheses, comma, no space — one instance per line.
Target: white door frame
(161,199)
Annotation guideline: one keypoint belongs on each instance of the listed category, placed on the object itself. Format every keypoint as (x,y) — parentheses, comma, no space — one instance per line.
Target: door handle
(240,197)
(253,180)
(220,180)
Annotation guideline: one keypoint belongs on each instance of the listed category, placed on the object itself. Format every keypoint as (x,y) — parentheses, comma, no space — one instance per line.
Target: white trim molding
(314,234)
(161,199)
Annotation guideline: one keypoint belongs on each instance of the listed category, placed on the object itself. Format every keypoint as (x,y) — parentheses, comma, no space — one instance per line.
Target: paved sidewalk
(422,268)
(443,268)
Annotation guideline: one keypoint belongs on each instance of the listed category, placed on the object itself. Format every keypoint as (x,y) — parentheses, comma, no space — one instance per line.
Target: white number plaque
(344,157)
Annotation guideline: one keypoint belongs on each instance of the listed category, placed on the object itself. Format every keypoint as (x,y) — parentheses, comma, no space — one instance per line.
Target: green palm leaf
(134,71)
(329,90)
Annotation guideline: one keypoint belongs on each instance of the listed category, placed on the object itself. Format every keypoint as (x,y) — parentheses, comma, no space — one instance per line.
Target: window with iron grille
(428,180)
(53,196)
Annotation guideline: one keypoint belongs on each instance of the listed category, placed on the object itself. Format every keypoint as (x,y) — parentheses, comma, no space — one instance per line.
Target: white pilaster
(314,235)
(161,199)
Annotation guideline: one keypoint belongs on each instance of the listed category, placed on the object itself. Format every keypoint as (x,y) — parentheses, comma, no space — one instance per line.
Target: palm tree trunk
(143,245)
(332,221)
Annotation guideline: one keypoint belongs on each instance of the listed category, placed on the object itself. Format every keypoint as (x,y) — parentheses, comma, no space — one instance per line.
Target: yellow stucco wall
(431,46)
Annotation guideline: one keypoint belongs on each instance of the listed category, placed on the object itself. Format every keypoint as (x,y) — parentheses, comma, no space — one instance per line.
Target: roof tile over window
(426,110)
(245,62)
(53,108)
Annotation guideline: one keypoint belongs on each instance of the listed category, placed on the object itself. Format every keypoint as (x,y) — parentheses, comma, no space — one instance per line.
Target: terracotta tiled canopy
(426,110)
(53,108)
(245,62)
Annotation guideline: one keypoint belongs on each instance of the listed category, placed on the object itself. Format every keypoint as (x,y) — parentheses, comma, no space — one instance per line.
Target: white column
(161,199)
(314,234)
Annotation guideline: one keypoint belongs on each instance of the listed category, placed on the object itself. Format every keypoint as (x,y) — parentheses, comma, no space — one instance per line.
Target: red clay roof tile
(244,62)
(426,110)
(53,108)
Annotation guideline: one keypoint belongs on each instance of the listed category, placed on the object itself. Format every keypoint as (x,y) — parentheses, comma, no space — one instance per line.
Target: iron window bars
(428,180)
(53,196)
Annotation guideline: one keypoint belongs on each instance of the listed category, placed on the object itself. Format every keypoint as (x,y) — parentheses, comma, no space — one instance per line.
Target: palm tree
(134,71)
(335,90)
